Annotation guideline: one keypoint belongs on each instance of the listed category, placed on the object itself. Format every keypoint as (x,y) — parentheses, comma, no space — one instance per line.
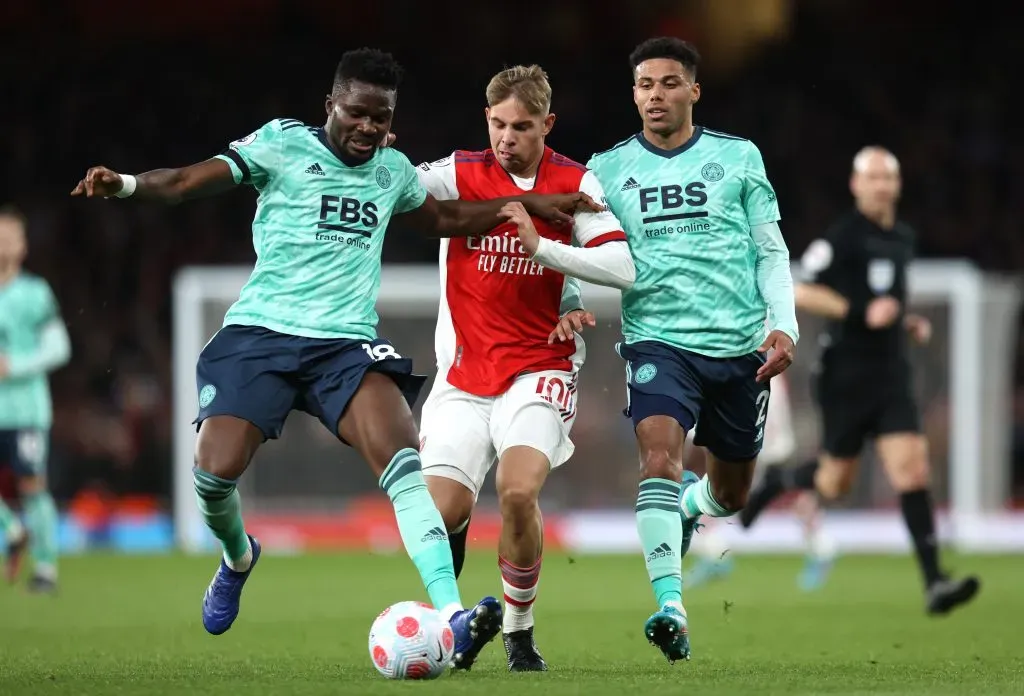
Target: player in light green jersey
(302,334)
(33,343)
(711,267)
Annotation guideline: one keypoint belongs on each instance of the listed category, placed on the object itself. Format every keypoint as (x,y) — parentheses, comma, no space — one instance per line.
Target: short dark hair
(667,47)
(9,210)
(369,65)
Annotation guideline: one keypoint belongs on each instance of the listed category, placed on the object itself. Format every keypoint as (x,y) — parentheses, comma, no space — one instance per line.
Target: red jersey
(497,305)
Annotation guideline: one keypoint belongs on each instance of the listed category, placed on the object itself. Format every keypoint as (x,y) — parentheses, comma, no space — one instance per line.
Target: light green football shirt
(33,341)
(688,215)
(318,231)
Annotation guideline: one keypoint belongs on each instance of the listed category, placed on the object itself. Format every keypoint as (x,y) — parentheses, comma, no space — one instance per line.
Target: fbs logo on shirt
(344,214)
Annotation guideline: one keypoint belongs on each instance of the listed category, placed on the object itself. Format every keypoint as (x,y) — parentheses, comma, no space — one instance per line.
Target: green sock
(422,529)
(41,520)
(661,536)
(221,506)
(10,525)
(698,500)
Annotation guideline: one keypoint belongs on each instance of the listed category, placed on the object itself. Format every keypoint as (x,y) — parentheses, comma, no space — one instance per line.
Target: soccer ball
(410,640)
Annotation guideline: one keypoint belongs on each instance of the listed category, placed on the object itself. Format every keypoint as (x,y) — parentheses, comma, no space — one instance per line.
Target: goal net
(306,490)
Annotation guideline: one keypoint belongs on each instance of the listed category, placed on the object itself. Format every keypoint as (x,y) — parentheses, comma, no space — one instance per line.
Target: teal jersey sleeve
(411,193)
(254,158)
(759,200)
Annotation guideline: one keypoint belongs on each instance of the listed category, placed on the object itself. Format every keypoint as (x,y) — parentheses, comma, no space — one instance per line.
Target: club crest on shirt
(881,274)
(713,171)
(245,141)
(383,177)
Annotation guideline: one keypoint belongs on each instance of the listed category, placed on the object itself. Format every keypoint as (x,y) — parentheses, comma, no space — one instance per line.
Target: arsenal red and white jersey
(497,305)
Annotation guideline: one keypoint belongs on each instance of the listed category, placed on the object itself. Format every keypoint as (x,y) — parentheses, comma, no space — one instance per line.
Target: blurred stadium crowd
(92,83)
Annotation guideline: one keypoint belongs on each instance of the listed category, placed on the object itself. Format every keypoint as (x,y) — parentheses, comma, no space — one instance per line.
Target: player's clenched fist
(98,181)
(572,322)
(515,213)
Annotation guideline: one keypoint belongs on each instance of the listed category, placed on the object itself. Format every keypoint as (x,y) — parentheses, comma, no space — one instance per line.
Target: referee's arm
(819,279)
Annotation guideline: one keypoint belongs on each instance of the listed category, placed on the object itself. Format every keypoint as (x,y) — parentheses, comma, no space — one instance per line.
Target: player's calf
(455,503)
(223,451)
(657,506)
(521,474)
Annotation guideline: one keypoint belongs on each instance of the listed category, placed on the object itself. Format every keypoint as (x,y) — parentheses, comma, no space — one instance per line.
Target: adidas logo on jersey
(663,551)
(435,534)
(315,168)
(630,184)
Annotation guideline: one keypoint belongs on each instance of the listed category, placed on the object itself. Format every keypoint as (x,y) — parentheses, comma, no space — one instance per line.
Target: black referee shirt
(862,261)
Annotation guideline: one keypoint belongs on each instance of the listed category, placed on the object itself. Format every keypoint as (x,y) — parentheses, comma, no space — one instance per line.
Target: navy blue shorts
(261,376)
(25,450)
(720,396)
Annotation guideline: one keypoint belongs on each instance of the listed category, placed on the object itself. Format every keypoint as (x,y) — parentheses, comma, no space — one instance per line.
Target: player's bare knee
(453,500)
(518,502)
(905,458)
(658,462)
(226,445)
(661,441)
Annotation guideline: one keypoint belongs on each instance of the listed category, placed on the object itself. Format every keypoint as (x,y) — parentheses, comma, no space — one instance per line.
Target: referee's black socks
(777,480)
(920,519)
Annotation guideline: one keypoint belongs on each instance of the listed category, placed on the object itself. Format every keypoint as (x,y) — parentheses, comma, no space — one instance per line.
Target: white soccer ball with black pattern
(410,640)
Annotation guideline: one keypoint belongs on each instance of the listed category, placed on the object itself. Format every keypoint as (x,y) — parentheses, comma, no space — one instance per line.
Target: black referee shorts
(856,407)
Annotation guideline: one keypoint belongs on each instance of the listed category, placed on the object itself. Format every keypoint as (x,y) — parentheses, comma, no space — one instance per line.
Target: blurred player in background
(715,559)
(302,334)
(504,392)
(33,343)
(702,222)
(857,278)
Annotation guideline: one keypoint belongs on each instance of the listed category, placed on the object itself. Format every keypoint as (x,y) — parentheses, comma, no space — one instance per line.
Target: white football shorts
(462,435)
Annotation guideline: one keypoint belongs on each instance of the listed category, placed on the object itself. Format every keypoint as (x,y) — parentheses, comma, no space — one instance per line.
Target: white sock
(16,531)
(520,587)
(46,571)
(697,499)
(243,563)
(712,545)
(821,544)
(451,610)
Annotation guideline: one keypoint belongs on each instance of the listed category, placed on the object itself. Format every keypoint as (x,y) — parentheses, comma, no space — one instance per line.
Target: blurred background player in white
(33,343)
(505,391)
(856,276)
(714,557)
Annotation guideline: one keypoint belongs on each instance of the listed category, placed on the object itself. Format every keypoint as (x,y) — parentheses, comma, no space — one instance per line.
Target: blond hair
(527,83)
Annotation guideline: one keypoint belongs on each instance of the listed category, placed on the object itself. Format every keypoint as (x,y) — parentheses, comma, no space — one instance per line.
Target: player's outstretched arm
(609,264)
(168,186)
(459,218)
(821,301)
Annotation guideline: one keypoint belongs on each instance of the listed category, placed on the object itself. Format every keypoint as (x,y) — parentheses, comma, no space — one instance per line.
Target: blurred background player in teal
(33,343)
(711,268)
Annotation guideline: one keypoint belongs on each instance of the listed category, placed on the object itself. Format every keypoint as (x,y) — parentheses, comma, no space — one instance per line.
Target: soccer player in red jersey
(505,391)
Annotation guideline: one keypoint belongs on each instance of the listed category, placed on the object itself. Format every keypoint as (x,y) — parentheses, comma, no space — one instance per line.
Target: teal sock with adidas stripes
(661,536)
(698,500)
(422,529)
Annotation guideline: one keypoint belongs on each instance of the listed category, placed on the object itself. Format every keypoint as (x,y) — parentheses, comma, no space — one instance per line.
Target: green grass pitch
(131,625)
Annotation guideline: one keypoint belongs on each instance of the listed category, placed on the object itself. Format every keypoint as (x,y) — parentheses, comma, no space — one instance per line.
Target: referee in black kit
(857,278)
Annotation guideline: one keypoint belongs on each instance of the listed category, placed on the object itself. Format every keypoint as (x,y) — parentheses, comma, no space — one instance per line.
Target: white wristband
(128,185)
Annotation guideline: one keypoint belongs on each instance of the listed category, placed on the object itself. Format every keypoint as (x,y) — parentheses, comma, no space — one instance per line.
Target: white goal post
(982,316)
